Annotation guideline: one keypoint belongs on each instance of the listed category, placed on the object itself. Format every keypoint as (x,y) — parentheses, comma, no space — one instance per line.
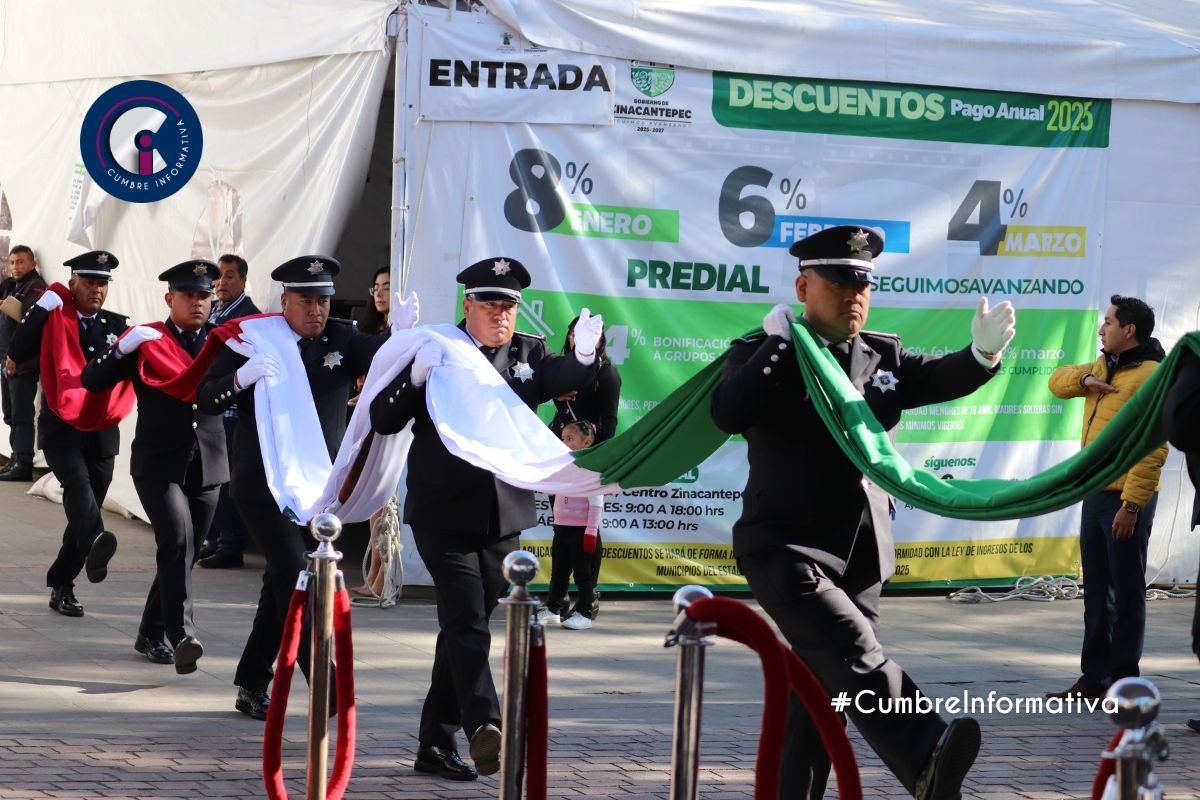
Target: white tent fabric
(1098,48)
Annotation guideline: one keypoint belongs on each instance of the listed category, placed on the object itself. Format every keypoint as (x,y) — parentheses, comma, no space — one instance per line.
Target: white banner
(488,74)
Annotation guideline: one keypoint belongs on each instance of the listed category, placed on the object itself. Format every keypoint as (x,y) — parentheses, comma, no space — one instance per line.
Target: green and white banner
(673,221)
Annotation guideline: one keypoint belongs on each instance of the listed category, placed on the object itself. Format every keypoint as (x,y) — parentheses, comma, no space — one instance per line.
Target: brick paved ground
(83,716)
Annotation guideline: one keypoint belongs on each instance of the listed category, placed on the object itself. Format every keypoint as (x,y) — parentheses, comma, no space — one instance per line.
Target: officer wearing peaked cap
(814,538)
(463,519)
(81,460)
(178,461)
(333,354)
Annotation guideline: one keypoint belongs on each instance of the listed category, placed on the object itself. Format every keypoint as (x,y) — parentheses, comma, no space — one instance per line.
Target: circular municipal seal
(141,141)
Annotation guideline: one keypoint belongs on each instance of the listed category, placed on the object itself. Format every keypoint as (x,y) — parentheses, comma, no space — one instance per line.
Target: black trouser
(1114,590)
(833,624)
(178,513)
(225,534)
(567,557)
(469,585)
(18,392)
(283,544)
(85,475)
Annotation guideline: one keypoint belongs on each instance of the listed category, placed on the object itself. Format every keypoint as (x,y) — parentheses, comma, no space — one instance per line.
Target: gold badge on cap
(858,240)
(199,270)
(502,266)
(316,266)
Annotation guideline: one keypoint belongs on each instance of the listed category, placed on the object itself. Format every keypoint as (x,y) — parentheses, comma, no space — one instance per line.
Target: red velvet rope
(1107,769)
(347,724)
(285,667)
(537,724)
(289,648)
(739,622)
(829,725)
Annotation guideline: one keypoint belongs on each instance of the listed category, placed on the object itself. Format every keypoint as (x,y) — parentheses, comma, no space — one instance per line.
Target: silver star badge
(858,240)
(199,270)
(884,381)
(102,259)
(522,371)
(316,266)
(332,360)
(111,339)
(502,266)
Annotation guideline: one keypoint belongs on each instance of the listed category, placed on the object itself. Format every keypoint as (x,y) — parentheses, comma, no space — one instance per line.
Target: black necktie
(192,342)
(841,351)
(85,327)
(304,344)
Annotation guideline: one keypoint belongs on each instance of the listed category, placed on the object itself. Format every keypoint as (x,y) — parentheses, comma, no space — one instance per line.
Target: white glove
(588,331)
(428,357)
(260,365)
(778,321)
(405,313)
(136,337)
(991,331)
(49,301)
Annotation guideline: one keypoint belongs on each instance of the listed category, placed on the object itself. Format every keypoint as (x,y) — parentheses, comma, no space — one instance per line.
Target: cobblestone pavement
(83,716)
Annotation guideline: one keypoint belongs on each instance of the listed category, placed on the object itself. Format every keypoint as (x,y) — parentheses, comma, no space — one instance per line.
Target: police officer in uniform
(334,353)
(178,463)
(814,538)
(82,461)
(463,519)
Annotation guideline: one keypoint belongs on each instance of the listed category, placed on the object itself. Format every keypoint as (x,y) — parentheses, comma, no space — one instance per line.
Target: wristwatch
(1132,508)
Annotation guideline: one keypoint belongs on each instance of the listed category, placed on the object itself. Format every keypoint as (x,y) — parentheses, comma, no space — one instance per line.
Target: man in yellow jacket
(1115,527)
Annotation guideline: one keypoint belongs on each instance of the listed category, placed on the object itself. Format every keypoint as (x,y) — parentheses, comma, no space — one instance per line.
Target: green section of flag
(896,111)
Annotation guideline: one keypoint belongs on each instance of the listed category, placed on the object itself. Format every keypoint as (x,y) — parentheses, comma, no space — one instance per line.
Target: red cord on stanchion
(737,621)
(285,667)
(343,645)
(829,725)
(537,722)
(1108,767)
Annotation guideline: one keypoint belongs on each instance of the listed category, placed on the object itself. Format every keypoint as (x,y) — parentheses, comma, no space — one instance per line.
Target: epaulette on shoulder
(880,335)
(538,336)
(341,321)
(750,338)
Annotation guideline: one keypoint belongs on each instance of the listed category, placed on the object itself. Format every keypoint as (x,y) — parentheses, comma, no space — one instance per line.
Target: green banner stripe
(896,111)
(620,222)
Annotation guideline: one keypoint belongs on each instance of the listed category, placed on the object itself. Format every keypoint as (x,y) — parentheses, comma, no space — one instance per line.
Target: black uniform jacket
(26,343)
(332,363)
(446,492)
(802,491)
(168,430)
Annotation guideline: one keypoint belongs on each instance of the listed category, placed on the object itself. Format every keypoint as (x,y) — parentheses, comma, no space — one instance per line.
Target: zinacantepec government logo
(141,141)
(651,79)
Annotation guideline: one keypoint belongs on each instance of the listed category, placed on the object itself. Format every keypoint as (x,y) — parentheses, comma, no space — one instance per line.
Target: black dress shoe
(17,472)
(103,548)
(252,702)
(1194,724)
(207,549)
(63,601)
(156,650)
(950,762)
(485,748)
(222,561)
(444,764)
(187,652)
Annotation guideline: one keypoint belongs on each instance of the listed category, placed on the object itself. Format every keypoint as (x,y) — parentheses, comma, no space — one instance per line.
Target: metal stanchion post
(520,568)
(690,637)
(1143,742)
(327,579)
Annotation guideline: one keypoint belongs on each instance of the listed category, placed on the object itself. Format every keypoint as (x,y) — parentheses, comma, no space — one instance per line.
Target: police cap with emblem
(495,279)
(841,254)
(95,264)
(308,274)
(196,275)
